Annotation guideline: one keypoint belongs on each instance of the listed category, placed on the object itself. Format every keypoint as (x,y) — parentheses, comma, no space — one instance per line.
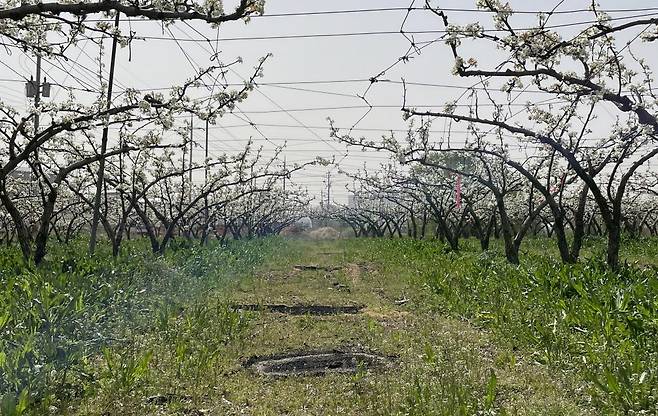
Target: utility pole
(328,189)
(285,173)
(206,148)
(205,198)
(34,88)
(37,94)
(182,172)
(191,146)
(37,89)
(101,163)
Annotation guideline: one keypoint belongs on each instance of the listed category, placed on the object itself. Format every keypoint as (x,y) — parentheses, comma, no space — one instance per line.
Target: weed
(580,318)
(57,320)
(125,370)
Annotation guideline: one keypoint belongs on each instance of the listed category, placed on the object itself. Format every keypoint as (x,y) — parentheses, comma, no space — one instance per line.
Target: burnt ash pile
(318,363)
(301,309)
(312,267)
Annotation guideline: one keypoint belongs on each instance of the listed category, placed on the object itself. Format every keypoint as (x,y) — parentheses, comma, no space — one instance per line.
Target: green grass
(443,365)
(60,322)
(597,327)
(470,334)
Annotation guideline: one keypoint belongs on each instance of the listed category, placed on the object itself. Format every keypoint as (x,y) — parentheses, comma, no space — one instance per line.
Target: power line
(385,106)
(68,74)
(405,9)
(342,128)
(100,73)
(196,68)
(376,33)
(87,85)
(315,82)
(268,98)
(287,85)
(297,36)
(446,9)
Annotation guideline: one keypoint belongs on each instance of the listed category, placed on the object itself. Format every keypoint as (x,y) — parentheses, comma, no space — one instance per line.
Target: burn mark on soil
(163,399)
(317,363)
(302,309)
(316,267)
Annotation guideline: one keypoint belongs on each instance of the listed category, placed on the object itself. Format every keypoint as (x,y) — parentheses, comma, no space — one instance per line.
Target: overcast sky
(317,77)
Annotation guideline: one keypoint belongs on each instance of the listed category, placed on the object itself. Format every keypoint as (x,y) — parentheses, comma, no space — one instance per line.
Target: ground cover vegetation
(596,325)
(466,332)
(75,324)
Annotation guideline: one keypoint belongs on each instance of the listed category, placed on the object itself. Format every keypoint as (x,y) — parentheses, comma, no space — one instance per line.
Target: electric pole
(206,153)
(205,198)
(191,146)
(285,173)
(101,163)
(37,89)
(328,189)
(182,172)
(37,95)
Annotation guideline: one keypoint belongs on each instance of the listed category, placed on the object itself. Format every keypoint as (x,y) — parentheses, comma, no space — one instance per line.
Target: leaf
(142,366)
(578,286)
(80,302)
(8,404)
(611,380)
(23,402)
(107,354)
(491,390)
(4,318)
(430,354)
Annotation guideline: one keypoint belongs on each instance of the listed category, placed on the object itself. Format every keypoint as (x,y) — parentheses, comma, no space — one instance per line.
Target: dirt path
(441,366)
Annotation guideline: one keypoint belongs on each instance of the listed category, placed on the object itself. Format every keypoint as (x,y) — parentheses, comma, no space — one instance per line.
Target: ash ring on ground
(318,363)
(301,309)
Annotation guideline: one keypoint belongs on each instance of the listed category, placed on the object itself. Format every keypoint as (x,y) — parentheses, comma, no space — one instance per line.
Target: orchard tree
(32,139)
(582,74)
(26,24)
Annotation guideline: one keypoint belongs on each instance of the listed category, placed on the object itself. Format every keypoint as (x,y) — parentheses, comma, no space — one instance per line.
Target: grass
(444,365)
(470,334)
(80,324)
(596,327)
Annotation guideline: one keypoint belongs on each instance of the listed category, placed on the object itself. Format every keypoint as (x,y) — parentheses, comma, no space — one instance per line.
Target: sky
(308,79)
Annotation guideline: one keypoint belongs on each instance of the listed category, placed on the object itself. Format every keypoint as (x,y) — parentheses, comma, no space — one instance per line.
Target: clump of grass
(448,386)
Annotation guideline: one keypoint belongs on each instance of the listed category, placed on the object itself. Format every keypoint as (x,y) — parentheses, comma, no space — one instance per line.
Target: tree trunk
(614,235)
(41,240)
(22,232)
(579,225)
(511,246)
(485,239)
(413,225)
(561,237)
(155,244)
(166,238)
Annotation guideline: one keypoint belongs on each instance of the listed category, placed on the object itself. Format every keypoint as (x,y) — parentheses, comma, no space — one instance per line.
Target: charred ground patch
(317,363)
(315,267)
(322,310)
